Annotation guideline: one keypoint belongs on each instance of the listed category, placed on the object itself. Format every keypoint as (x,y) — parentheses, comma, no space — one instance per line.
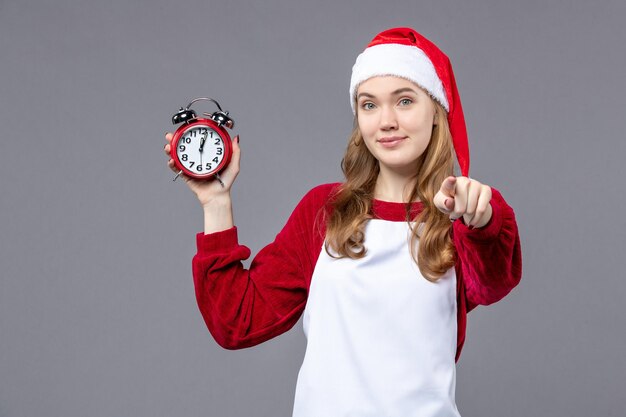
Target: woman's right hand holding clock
(214,198)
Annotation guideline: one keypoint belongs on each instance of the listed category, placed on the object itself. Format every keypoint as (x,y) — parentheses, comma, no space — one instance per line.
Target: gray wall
(97,310)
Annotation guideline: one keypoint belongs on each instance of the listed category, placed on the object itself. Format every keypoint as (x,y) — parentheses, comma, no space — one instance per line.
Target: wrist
(218,214)
(216,202)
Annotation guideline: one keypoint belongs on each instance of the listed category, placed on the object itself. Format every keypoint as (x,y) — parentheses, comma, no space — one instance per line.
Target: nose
(388,119)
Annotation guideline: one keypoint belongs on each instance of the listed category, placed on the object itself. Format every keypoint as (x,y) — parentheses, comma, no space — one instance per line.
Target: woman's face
(396,119)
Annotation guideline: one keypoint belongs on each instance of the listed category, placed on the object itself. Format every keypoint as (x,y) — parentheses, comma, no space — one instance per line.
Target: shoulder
(315,203)
(325,190)
(322,193)
(308,219)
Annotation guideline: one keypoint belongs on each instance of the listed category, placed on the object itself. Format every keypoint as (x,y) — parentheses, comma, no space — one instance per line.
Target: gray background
(97,310)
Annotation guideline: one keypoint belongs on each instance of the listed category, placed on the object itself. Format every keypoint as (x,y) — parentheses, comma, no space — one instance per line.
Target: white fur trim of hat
(404,61)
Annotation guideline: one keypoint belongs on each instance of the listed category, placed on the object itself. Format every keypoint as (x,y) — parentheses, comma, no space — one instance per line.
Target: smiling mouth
(391,141)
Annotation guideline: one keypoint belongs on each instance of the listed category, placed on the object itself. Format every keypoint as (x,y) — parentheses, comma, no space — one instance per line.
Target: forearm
(218,214)
(490,257)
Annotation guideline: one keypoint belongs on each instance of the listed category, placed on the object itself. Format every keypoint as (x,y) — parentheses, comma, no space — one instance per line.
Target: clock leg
(217,177)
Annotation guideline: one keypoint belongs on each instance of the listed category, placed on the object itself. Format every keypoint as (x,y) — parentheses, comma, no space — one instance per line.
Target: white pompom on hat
(402,52)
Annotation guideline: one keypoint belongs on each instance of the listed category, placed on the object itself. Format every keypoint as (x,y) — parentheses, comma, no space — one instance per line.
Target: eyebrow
(394,93)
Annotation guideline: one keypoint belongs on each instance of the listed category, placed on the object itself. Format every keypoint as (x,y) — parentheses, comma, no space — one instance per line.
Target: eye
(368,105)
(405,102)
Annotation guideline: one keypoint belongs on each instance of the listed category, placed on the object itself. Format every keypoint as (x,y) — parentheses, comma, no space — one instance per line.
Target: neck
(394,187)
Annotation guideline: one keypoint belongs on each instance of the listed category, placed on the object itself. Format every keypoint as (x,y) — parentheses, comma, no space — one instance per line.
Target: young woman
(384,266)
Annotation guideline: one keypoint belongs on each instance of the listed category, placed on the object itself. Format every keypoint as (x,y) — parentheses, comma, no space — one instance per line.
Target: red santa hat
(403,52)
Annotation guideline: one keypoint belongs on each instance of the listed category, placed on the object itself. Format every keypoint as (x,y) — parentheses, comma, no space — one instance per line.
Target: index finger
(448,186)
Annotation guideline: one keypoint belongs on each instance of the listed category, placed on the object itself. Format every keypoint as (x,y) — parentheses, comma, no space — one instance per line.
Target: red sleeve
(489,258)
(244,307)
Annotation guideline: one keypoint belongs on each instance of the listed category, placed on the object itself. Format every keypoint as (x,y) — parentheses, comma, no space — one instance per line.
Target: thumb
(230,172)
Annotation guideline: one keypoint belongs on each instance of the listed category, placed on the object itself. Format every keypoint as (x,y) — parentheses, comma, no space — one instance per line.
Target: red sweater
(243,308)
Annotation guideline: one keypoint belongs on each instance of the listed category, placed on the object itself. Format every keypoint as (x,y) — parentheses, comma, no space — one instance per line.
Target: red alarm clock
(201,147)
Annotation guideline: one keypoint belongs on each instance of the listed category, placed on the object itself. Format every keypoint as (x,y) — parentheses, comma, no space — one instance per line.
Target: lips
(391,141)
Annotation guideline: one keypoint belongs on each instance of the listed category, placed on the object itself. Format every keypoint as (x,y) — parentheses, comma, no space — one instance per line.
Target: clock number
(215,160)
(186,140)
(219,151)
(217,141)
(199,168)
(208,166)
(182,148)
(191,164)
(205,131)
(184,157)
(212,134)
(194,133)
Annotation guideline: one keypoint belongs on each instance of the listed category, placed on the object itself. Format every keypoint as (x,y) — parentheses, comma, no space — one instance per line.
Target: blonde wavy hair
(351,206)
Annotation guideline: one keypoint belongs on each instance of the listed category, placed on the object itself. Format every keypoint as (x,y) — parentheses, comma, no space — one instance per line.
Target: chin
(405,167)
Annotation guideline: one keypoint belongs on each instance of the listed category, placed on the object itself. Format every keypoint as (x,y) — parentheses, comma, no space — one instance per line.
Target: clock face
(201,150)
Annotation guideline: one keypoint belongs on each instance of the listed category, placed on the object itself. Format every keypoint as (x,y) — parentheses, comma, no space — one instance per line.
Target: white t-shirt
(381,339)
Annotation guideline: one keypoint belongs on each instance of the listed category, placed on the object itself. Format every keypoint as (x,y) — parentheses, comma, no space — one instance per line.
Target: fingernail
(237,138)
(452,219)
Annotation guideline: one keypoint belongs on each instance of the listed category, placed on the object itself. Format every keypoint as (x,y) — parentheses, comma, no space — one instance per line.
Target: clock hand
(202,141)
